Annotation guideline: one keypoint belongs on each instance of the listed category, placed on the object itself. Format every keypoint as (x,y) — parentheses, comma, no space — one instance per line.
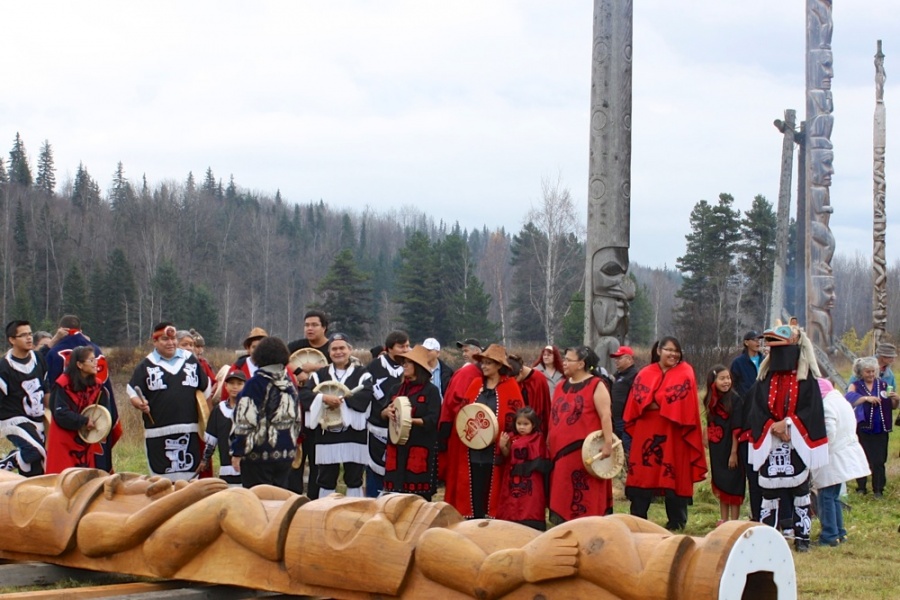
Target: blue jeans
(374,483)
(831,514)
(619,430)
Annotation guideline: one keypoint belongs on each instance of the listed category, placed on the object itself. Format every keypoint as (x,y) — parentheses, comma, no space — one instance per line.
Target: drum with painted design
(477,426)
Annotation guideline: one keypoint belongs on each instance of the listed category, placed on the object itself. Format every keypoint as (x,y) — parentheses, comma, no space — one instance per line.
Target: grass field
(861,569)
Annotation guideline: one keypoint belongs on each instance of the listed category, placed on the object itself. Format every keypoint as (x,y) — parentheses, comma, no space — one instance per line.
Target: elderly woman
(872,403)
(267,419)
(580,406)
(550,364)
(663,417)
(473,476)
(412,467)
(76,389)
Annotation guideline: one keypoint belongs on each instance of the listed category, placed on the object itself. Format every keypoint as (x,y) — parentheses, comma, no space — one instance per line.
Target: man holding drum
(164,387)
(343,443)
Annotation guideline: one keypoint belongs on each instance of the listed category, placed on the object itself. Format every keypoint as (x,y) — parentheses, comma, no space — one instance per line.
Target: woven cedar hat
(495,352)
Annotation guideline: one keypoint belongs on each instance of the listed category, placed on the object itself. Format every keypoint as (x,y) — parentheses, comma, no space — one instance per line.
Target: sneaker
(878,495)
(8,464)
(862,491)
(801,545)
(833,543)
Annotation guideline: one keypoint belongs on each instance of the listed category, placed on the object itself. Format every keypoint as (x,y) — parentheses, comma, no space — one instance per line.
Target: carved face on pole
(823,293)
(822,69)
(822,166)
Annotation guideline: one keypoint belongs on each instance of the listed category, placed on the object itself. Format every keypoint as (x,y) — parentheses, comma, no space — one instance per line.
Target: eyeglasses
(89,360)
(24,335)
(567,359)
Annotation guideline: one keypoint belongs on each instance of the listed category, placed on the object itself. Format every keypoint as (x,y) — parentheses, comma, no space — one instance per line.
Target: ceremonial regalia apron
(412,467)
(573,492)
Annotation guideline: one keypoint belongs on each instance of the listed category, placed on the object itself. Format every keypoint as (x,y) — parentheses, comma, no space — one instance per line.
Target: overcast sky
(459,108)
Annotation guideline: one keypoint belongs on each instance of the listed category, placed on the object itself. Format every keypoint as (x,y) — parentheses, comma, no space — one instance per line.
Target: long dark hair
(727,399)
(654,352)
(590,358)
(422,376)
(77,380)
(530,414)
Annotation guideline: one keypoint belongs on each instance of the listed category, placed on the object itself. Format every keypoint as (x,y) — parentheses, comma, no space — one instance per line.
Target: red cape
(675,435)
(459,482)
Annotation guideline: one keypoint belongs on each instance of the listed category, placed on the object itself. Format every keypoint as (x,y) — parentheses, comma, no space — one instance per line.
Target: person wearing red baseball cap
(619,390)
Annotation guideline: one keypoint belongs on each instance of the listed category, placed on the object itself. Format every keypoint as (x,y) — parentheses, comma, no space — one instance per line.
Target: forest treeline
(209,254)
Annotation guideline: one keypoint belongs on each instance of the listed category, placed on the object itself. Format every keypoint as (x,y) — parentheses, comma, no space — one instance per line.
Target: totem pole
(786,127)
(819,169)
(607,287)
(879,264)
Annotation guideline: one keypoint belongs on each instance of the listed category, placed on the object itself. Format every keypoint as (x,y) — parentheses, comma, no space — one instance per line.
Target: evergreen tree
(202,313)
(97,318)
(348,234)
(470,314)
(572,330)
(640,316)
(417,290)
(85,191)
(463,305)
(20,237)
(75,296)
(209,182)
(121,194)
(527,287)
(22,307)
(4,178)
(756,260)
(706,317)
(46,173)
(278,199)
(169,294)
(231,192)
(122,302)
(19,170)
(347,296)
(190,186)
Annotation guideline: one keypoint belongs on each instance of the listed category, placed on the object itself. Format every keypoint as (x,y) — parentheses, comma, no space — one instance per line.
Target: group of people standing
(772,425)
(44,392)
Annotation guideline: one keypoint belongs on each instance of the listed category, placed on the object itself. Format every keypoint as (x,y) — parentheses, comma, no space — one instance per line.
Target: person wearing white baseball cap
(440,371)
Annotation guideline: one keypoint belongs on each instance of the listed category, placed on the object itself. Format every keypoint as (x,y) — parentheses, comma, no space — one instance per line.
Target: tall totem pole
(879,223)
(819,169)
(607,287)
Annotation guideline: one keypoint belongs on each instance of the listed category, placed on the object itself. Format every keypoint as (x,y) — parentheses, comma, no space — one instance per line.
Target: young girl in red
(523,497)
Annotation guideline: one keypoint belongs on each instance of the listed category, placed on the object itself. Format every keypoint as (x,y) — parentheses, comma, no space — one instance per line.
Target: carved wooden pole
(784,208)
(819,170)
(607,288)
(879,223)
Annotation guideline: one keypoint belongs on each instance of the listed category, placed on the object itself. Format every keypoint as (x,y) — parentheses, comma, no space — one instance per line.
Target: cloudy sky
(458,108)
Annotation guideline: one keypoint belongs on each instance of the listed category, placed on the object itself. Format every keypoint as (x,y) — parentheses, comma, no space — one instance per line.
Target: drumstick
(141,396)
(597,456)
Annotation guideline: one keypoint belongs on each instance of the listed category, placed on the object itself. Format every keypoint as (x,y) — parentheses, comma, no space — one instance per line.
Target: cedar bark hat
(495,352)
(418,355)
(256,333)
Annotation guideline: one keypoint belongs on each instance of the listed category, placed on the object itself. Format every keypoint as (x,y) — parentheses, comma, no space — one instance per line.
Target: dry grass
(861,569)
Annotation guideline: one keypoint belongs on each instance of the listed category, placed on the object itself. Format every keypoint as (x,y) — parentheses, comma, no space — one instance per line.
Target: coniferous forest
(123,251)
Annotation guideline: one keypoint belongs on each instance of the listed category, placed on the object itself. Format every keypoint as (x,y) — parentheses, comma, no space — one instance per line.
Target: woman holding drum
(412,414)
(474,467)
(80,410)
(580,406)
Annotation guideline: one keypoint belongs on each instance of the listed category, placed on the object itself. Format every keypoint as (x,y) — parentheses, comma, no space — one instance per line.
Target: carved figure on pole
(607,289)
(879,222)
(819,170)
